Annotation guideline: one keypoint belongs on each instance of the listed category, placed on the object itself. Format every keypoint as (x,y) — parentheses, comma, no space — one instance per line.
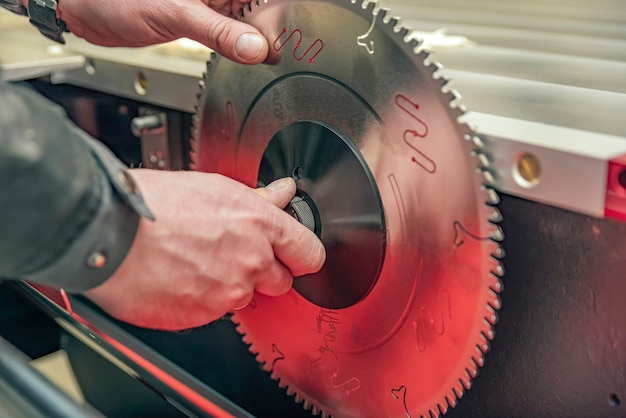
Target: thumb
(279,192)
(229,37)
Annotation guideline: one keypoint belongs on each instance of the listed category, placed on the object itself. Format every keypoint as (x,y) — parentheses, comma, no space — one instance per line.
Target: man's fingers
(279,192)
(243,302)
(276,281)
(231,38)
(298,248)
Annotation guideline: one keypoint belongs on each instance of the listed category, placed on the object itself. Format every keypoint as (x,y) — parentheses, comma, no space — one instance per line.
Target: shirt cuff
(102,246)
(100,249)
(15,7)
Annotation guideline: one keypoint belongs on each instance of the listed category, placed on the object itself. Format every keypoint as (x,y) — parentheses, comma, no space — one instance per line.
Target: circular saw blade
(411,339)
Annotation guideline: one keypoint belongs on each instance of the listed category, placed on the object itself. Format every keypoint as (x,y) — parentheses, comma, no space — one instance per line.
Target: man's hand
(148,22)
(214,242)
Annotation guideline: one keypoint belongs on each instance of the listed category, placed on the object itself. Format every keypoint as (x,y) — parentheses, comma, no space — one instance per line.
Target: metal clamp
(151,127)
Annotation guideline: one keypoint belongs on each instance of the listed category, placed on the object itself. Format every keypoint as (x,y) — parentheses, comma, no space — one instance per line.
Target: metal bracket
(151,127)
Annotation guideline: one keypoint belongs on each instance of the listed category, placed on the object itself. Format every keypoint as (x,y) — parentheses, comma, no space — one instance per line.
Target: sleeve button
(97,259)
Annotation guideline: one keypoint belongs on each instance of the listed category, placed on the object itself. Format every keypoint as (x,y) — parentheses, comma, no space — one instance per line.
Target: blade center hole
(296,174)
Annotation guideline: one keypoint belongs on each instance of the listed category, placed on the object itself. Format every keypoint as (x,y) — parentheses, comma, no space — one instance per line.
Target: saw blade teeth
(477,140)
(458,391)
(478,355)
(489,180)
(496,261)
(479,360)
(241,13)
(472,127)
(282,385)
(491,315)
(436,70)
(466,380)
(499,270)
(457,109)
(473,369)
(497,235)
(368,5)
(245,338)
(194,134)
(484,347)
(495,218)
(488,322)
(497,286)
(492,196)
(383,14)
(403,31)
(440,76)
(499,253)
(483,159)
(495,301)
(488,334)
(427,58)
(415,44)
(493,263)
(456,96)
(495,297)
(396,24)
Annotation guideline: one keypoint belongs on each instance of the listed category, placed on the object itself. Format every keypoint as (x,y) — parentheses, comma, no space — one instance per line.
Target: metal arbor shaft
(421,257)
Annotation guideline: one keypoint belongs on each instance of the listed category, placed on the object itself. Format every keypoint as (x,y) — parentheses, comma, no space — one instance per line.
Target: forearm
(67,213)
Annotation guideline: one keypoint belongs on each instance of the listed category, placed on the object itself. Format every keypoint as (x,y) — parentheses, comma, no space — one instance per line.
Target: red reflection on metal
(418,130)
(227,131)
(189,394)
(53,294)
(411,108)
(615,202)
(60,298)
(419,158)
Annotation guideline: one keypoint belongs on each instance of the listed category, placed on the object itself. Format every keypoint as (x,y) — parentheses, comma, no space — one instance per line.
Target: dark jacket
(66,203)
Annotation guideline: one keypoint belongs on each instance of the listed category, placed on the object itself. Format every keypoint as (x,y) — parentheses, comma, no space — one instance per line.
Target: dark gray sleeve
(69,210)
(14,6)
